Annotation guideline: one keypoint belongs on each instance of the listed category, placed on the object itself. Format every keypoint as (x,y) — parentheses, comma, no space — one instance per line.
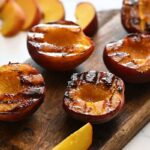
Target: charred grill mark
(14,101)
(24,104)
(135,20)
(108,79)
(91,77)
(31,80)
(34,92)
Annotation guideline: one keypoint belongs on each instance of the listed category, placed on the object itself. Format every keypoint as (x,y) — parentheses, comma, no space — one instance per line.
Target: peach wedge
(87,18)
(13,18)
(53,10)
(32,12)
(79,140)
(2,3)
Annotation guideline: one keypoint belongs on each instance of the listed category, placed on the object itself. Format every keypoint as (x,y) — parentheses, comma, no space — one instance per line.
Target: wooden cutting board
(50,124)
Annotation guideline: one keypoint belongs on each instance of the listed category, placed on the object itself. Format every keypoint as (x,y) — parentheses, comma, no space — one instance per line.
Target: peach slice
(53,10)
(135,15)
(32,12)
(2,3)
(87,18)
(21,91)
(129,58)
(13,18)
(94,97)
(79,140)
(59,46)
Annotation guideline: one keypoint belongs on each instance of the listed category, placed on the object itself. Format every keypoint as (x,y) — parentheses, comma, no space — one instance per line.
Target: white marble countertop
(14,50)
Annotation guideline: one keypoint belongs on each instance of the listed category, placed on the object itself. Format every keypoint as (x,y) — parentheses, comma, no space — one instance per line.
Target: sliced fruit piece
(87,18)
(53,10)
(13,18)
(79,140)
(21,91)
(2,2)
(94,97)
(129,58)
(59,46)
(32,12)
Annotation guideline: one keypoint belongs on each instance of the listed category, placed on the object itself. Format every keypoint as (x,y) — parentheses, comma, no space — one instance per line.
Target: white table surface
(14,50)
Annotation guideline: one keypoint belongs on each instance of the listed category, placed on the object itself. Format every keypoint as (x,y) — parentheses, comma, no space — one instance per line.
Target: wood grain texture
(50,124)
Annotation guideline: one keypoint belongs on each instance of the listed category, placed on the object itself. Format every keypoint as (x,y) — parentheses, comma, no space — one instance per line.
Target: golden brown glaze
(136,15)
(21,91)
(94,96)
(59,46)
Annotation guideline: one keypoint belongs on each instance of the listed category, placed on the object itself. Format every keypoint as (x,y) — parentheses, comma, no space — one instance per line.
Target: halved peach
(21,91)
(87,18)
(59,46)
(129,58)
(53,10)
(32,12)
(13,18)
(94,97)
(79,140)
(135,15)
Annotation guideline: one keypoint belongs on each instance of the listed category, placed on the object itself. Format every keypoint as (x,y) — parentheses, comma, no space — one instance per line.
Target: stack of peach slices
(24,15)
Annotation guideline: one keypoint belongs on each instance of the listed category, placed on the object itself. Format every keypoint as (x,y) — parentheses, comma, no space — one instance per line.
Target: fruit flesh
(79,140)
(53,10)
(9,83)
(133,52)
(85,13)
(50,38)
(32,12)
(97,92)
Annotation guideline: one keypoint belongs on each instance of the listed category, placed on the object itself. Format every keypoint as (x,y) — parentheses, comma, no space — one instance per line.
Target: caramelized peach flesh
(32,12)
(129,58)
(135,15)
(59,46)
(21,91)
(53,10)
(94,97)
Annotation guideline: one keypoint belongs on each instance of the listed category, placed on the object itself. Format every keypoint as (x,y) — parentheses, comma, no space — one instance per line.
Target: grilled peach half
(21,91)
(59,46)
(129,58)
(94,97)
(135,15)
